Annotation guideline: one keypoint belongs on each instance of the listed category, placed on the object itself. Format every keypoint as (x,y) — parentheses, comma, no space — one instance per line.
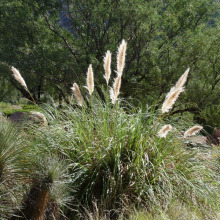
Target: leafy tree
(159,35)
(29,45)
(55,45)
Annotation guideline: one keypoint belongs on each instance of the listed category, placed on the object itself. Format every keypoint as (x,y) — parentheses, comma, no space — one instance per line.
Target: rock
(38,118)
(35,117)
(18,116)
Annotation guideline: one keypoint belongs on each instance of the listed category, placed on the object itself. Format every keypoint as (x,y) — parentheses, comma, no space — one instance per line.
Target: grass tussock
(119,161)
(102,158)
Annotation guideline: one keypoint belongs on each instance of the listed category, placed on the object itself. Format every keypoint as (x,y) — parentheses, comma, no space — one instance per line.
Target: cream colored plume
(114,92)
(193,130)
(171,99)
(90,80)
(182,80)
(18,77)
(164,131)
(174,92)
(107,66)
(121,57)
(77,94)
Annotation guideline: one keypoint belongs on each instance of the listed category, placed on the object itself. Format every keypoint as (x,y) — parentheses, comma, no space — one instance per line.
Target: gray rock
(38,118)
(35,117)
(18,116)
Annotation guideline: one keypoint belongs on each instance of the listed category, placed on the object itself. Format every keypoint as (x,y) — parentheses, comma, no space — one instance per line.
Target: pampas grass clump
(116,157)
(116,154)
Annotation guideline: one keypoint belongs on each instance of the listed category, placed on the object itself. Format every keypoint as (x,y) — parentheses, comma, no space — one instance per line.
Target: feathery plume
(121,57)
(193,130)
(174,92)
(107,65)
(171,98)
(90,80)
(114,92)
(77,94)
(182,80)
(18,77)
(164,131)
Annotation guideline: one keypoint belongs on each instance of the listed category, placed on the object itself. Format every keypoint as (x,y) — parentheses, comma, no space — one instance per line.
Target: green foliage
(109,158)
(174,211)
(22,168)
(211,115)
(31,49)
(117,160)
(29,107)
(12,167)
(7,109)
(49,189)
(57,42)
(110,155)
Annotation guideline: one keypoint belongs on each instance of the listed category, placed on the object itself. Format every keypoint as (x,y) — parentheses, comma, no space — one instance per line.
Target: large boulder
(38,118)
(35,117)
(18,116)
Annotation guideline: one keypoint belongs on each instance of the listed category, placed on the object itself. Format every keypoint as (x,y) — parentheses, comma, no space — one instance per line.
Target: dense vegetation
(101,155)
(52,43)
(104,158)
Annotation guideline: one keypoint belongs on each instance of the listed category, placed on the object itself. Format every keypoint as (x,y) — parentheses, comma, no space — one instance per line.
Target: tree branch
(192,109)
(62,37)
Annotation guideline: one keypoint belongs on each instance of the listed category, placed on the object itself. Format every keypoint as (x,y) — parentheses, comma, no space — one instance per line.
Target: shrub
(121,156)
(117,159)
(30,183)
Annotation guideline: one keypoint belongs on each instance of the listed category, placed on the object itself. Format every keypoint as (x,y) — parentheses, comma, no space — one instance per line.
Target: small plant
(13,167)
(48,191)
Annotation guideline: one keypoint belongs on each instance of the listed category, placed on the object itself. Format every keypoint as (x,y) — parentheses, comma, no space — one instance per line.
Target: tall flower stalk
(193,130)
(107,66)
(90,80)
(77,94)
(121,57)
(164,131)
(20,79)
(174,93)
(114,92)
